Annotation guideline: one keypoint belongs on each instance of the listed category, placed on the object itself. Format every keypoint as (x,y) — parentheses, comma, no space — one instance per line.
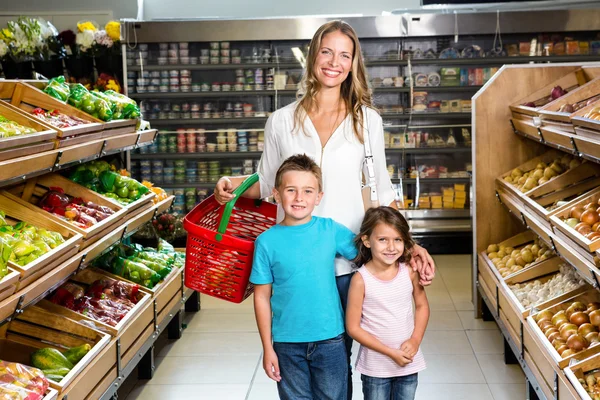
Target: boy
(296,301)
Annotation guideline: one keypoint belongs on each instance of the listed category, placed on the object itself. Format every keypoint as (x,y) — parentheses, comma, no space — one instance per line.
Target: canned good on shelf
(214,46)
(173,46)
(165,81)
(204,59)
(232,147)
(163,53)
(184,53)
(211,147)
(231,140)
(224,45)
(236,60)
(204,52)
(173,60)
(193,60)
(221,147)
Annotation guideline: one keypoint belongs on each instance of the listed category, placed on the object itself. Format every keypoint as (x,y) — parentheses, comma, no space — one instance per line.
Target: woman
(326,123)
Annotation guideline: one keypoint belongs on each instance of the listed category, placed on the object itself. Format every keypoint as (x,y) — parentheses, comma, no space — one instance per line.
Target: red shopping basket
(220,243)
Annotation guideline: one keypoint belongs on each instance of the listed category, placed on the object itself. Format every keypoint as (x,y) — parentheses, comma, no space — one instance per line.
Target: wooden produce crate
(568,82)
(132,210)
(39,267)
(586,126)
(30,193)
(18,146)
(570,186)
(164,205)
(128,329)
(570,235)
(111,128)
(551,115)
(491,274)
(587,269)
(578,371)
(37,328)
(93,374)
(543,271)
(8,284)
(546,353)
(528,166)
(27,98)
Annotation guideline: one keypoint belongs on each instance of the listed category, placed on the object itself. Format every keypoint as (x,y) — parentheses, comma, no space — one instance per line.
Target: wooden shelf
(22,168)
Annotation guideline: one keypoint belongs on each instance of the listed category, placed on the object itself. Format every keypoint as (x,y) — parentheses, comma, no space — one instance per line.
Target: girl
(379,314)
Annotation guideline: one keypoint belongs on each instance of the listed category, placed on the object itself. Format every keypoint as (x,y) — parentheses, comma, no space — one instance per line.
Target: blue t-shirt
(299,262)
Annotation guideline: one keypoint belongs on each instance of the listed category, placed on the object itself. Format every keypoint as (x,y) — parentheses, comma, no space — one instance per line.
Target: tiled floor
(219,355)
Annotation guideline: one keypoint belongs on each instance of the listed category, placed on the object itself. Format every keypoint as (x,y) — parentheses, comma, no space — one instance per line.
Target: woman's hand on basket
(223,190)
(423,263)
(271,365)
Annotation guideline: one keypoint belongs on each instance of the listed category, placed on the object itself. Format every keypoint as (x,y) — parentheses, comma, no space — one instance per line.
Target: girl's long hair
(355,90)
(382,215)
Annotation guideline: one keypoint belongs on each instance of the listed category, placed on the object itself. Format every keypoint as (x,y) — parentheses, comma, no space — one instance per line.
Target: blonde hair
(302,163)
(354,90)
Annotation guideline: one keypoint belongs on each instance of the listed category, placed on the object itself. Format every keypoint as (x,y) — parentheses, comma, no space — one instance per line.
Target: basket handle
(248,182)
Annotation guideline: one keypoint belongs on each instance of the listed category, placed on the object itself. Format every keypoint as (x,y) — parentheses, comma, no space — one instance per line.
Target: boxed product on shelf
(77,207)
(22,134)
(563,332)
(59,346)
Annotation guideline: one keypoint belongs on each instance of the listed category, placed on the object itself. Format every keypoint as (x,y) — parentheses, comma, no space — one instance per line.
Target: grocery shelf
(426,115)
(376,63)
(433,180)
(437,213)
(430,150)
(207,121)
(193,95)
(242,93)
(197,156)
(256,154)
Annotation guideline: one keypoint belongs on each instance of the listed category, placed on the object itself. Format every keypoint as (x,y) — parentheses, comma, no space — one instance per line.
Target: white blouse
(341,162)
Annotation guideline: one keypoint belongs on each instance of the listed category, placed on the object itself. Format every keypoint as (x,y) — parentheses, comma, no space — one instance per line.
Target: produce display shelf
(22,168)
(126,370)
(516,349)
(377,63)
(573,149)
(207,121)
(130,227)
(241,93)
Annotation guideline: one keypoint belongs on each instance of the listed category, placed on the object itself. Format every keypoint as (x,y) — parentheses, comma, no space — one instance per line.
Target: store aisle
(219,355)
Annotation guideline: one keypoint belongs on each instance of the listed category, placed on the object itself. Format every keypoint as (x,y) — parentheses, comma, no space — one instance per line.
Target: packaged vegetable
(88,102)
(20,382)
(57,88)
(10,128)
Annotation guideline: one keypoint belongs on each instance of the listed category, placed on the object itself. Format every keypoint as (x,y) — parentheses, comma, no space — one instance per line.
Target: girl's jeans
(396,388)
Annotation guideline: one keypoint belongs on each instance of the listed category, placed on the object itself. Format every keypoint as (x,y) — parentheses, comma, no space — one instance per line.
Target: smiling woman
(327,124)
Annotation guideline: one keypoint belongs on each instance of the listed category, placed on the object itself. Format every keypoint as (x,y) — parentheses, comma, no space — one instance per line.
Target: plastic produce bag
(82,99)
(20,382)
(130,109)
(58,89)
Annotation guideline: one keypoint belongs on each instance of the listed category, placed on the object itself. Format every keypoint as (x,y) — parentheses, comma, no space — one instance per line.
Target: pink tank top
(388,315)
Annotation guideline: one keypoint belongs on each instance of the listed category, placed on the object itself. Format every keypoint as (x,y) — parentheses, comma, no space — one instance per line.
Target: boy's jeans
(315,370)
(397,388)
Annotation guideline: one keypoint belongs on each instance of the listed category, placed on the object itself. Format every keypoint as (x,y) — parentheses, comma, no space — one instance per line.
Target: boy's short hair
(302,163)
